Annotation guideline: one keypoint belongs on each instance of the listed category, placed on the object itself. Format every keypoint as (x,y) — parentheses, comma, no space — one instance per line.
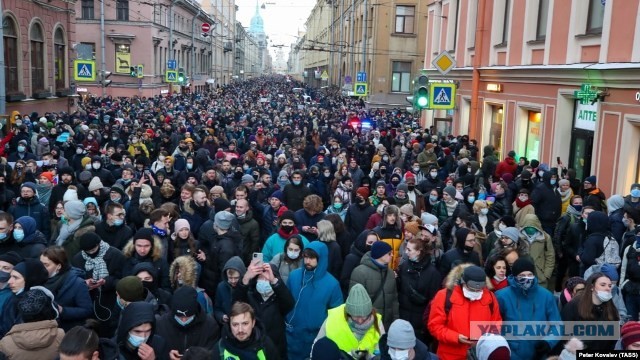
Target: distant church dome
(257,24)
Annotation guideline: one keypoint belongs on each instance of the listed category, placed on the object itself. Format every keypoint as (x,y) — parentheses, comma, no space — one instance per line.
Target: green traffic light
(422,98)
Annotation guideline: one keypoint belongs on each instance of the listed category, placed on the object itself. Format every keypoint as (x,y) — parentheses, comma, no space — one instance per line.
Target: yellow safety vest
(339,332)
(229,356)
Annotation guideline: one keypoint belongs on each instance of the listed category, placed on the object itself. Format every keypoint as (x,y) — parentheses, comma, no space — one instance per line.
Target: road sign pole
(103,65)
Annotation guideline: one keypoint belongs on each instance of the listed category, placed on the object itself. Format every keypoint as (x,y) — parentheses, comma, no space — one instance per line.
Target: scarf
(67,230)
(97,264)
(158,231)
(572,211)
(359,330)
(520,204)
(44,193)
(451,207)
(565,195)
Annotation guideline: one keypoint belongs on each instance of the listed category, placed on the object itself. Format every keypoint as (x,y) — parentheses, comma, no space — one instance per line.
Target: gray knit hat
(358,302)
(75,209)
(223,220)
(512,233)
(247,179)
(401,335)
(450,190)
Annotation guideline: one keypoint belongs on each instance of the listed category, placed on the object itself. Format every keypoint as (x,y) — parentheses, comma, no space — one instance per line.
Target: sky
(282,18)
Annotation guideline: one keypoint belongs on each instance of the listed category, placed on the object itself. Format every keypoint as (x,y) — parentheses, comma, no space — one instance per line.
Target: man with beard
(67,177)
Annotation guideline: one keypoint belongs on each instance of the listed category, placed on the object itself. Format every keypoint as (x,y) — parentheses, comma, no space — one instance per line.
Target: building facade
(38,40)
(223,37)
(519,67)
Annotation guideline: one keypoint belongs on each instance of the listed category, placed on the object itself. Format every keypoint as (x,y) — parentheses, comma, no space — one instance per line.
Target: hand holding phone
(257,258)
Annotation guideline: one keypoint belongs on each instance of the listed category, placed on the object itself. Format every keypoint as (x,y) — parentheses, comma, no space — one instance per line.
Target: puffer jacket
(540,249)
(546,201)
(34,340)
(392,234)
(446,326)
(34,241)
(381,287)
(72,294)
(418,282)
(154,257)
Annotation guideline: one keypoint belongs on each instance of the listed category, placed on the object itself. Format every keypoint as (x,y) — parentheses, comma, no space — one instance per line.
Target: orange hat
(48,175)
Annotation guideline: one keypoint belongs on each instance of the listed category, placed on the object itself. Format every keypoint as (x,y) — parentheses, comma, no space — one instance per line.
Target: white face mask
(499,278)
(398,354)
(502,226)
(471,295)
(484,211)
(604,296)
(293,254)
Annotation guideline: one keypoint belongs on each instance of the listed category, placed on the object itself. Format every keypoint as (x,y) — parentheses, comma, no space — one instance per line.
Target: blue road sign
(171,64)
(84,70)
(347,79)
(442,96)
(361,77)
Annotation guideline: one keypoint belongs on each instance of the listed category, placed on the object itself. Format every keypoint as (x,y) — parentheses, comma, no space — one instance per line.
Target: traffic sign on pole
(444,62)
(443,96)
(171,76)
(171,64)
(206,27)
(360,89)
(140,71)
(361,77)
(84,70)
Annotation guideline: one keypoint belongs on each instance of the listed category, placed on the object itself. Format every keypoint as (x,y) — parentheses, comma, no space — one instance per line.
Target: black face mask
(468,248)
(287,228)
(411,187)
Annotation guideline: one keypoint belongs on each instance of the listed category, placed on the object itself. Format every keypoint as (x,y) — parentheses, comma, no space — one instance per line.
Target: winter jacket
(275,245)
(418,282)
(596,198)
(536,304)
(72,294)
(34,340)
(34,241)
(421,350)
(294,195)
(258,346)
(116,236)
(72,243)
(195,215)
(392,235)
(593,244)
(381,287)
(506,166)
(446,326)
(570,313)
(540,249)
(546,201)
(489,163)
(202,331)
(302,219)
(35,210)
(224,292)
(457,255)
(502,205)
(630,270)
(352,260)
(284,267)
(154,257)
(250,230)
(187,267)
(223,248)
(135,314)
(357,217)
(314,292)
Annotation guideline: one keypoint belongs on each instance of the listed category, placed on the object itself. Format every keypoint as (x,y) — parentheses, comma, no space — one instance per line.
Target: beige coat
(36,340)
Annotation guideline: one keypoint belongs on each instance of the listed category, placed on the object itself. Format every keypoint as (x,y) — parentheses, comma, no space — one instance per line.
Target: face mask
(327,174)
(468,248)
(21,148)
(293,254)
(625,221)
(338,206)
(523,198)
(635,193)
(4,276)
(136,341)
(498,278)
(18,122)
(296,182)
(118,222)
(484,211)
(552,181)
(578,208)
(114,138)
(396,354)
(416,169)
(540,173)
(433,174)
(18,234)
(287,228)
(186,322)
(134,140)
(63,219)
(525,282)
(604,296)
(3,237)
(161,158)
(411,187)
(189,166)
(89,137)
(471,199)
(530,231)
(87,167)
(263,287)
(433,198)
(471,295)
(96,165)
(78,151)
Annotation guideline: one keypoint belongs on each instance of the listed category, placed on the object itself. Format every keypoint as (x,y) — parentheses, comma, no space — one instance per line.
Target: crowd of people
(253,221)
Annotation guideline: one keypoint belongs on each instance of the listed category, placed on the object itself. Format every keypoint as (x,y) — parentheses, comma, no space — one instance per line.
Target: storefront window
(495,135)
(443,126)
(534,127)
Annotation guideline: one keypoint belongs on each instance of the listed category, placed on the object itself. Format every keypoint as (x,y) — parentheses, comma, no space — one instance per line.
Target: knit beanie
(74,209)
(36,302)
(223,220)
(591,179)
(403,187)
(29,185)
(184,301)
(630,333)
(246,179)
(358,302)
(287,215)
(512,233)
(95,184)
(363,191)
(70,195)
(33,272)
(450,190)
(493,347)
(406,209)
(220,204)
(475,277)
(11,257)
(278,194)
(48,175)
(217,190)
(380,249)
(610,271)
(84,176)
(89,240)
(508,220)
(181,224)
(145,266)
(401,335)
(521,265)
(130,289)
(85,160)
(144,233)
(412,227)
(428,218)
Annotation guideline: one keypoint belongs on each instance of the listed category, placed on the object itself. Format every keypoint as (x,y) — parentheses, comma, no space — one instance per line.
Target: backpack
(447,307)
(611,253)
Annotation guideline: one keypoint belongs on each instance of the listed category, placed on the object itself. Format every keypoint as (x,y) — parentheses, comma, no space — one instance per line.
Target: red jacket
(446,327)
(508,165)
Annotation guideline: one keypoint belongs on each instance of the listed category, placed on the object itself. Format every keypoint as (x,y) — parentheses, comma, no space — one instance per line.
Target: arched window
(60,62)
(10,55)
(37,58)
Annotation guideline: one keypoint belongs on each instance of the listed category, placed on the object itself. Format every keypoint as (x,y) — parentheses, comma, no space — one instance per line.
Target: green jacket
(540,249)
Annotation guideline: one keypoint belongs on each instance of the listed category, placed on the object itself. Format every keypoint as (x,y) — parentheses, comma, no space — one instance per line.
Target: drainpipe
(193,46)
(474,121)
(364,37)
(3,89)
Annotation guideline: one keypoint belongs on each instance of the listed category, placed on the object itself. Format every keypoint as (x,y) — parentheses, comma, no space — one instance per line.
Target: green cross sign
(586,94)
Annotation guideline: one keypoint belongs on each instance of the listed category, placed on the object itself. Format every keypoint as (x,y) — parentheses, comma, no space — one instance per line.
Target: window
(543,15)
(495,134)
(401,76)
(596,17)
(405,16)
(534,124)
(122,10)
(59,62)
(505,23)
(37,58)
(87,9)
(10,55)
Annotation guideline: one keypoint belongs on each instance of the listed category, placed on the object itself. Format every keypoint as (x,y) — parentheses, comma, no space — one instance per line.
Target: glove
(542,348)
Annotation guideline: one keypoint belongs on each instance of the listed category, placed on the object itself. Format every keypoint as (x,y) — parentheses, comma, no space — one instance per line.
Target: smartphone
(558,159)
(257,258)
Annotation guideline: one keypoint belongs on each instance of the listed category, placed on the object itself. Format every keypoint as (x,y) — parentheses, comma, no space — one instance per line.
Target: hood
(35,238)
(614,203)
(323,257)
(35,335)
(531,220)
(461,237)
(28,225)
(236,264)
(597,222)
(474,166)
(488,343)
(454,276)
(509,160)
(34,201)
(134,314)
(546,178)
(156,252)
(488,150)
(360,245)
(188,271)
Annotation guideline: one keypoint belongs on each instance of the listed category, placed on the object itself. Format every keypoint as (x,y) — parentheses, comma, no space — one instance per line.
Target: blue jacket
(73,296)
(536,304)
(35,210)
(314,292)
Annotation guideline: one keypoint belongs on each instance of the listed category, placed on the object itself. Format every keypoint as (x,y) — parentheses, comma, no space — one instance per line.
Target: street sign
(347,79)
(444,62)
(171,76)
(586,94)
(206,27)
(172,64)
(140,71)
(361,77)
(442,96)
(360,89)
(84,70)
(325,75)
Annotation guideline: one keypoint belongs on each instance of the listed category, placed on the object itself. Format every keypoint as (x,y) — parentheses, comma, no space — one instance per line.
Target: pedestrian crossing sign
(360,89)
(84,70)
(442,96)
(171,76)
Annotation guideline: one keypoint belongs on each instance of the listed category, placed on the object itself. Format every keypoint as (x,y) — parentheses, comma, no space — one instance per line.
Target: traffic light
(181,77)
(104,75)
(133,72)
(421,92)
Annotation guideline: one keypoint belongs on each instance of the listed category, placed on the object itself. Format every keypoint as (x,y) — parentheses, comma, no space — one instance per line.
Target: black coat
(418,283)
(116,236)
(294,195)
(351,261)
(546,202)
(202,331)
(357,217)
(246,350)
(135,314)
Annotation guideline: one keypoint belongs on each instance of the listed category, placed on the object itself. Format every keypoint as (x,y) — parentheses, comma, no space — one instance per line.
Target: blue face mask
(552,181)
(18,234)
(471,199)
(120,304)
(578,208)
(338,206)
(3,237)
(136,341)
(296,182)
(186,322)
(263,287)
(433,198)
(118,222)
(635,193)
